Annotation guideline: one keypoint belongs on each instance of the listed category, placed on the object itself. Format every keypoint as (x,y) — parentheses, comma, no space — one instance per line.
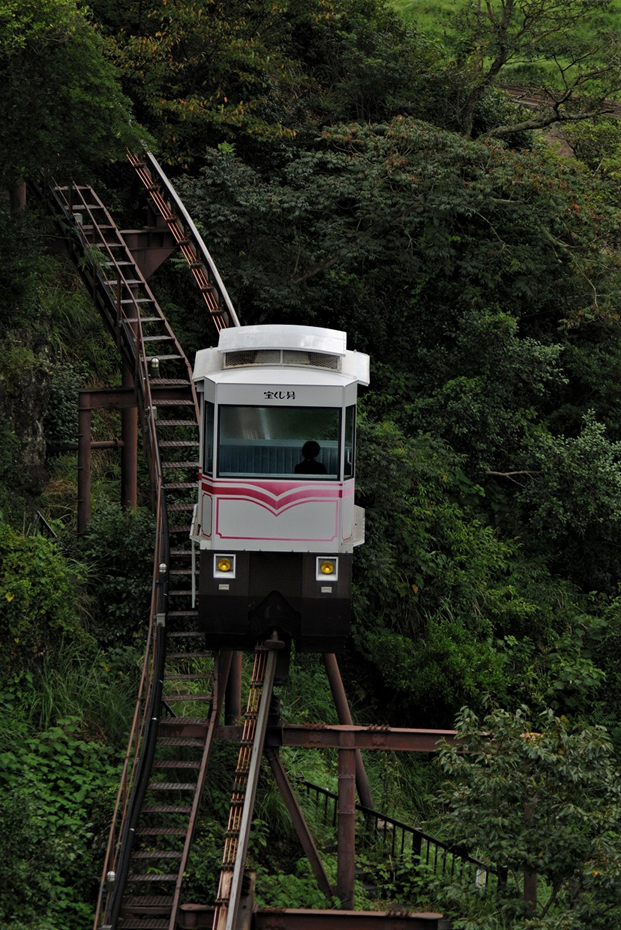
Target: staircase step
(182,402)
(207,698)
(161,422)
(185,726)
(170,786)
(192,464)
(176,764)
(190,677)
(147,901)
(180,741)
(169,382)
(153,878)
(179,443)
(169,808)
(156,854)
(143,923)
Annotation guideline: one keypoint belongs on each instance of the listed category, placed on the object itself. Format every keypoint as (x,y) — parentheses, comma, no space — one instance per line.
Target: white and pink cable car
(276,521)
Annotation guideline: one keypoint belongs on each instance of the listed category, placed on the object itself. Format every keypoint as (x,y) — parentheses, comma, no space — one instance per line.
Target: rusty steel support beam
(317,736)
(84,464)
(129,453)
(346,828)
(286,919)
(107,398)
(297,817)
(74,446)
(224,671)
(149,247)
(344,714)
(232,705)
(123,399)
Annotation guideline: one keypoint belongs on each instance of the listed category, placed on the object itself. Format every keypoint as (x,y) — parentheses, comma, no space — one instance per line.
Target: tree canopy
(61,108)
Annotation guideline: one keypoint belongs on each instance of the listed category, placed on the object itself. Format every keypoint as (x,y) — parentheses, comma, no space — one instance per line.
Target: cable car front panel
(276,520)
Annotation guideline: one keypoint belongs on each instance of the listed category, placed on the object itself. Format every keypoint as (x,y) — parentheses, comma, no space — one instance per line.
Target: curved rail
(170,207)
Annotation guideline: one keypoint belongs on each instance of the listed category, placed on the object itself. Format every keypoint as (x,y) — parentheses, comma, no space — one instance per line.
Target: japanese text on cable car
(279,395)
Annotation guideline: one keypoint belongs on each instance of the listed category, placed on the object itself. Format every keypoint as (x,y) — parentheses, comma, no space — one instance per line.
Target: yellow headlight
(224,565)
(327,567)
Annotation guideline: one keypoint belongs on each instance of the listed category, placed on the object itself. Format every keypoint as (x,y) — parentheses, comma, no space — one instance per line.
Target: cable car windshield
(292,442)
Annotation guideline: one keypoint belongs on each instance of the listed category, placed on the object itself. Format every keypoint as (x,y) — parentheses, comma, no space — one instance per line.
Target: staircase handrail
(391,824)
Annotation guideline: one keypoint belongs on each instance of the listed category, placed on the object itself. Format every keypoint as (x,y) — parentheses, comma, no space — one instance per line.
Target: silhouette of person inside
(310,451)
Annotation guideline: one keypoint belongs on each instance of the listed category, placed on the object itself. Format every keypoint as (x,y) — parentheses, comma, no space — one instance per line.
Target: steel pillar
(344,714)
(346,865)
(232,705)
(224,671)
(123,399)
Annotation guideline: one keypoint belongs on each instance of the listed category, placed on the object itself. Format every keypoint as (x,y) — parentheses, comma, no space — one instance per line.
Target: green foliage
(16,278)
(80,683)
(117,550)
(562,50)
(538,795)
(431,581)
(29,862)
(573,502)
(401,227)
(295,888)
(58,791)
(262,75)
(61,424)
(52,65)
(38,588)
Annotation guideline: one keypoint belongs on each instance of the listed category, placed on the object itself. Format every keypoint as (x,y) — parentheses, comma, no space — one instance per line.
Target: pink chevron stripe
(288,497)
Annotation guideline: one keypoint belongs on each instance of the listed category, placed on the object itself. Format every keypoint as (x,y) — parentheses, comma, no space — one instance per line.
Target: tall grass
(85,687)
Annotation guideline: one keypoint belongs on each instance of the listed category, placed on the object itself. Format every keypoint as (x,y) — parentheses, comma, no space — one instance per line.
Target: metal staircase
(179,699)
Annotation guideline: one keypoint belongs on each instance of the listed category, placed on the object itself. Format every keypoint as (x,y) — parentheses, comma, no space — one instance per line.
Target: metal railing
(406,843)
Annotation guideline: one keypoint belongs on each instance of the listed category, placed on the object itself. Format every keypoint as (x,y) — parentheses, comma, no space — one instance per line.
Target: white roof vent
(278,358)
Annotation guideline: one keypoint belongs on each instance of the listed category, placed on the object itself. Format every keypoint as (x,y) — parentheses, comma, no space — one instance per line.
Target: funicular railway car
(275,520)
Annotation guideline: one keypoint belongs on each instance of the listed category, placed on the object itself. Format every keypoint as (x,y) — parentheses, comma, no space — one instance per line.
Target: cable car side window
(292,442)
(350,441)
(208,447)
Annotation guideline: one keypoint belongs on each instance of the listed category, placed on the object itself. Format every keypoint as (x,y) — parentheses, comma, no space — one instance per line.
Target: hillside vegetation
(349,168)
